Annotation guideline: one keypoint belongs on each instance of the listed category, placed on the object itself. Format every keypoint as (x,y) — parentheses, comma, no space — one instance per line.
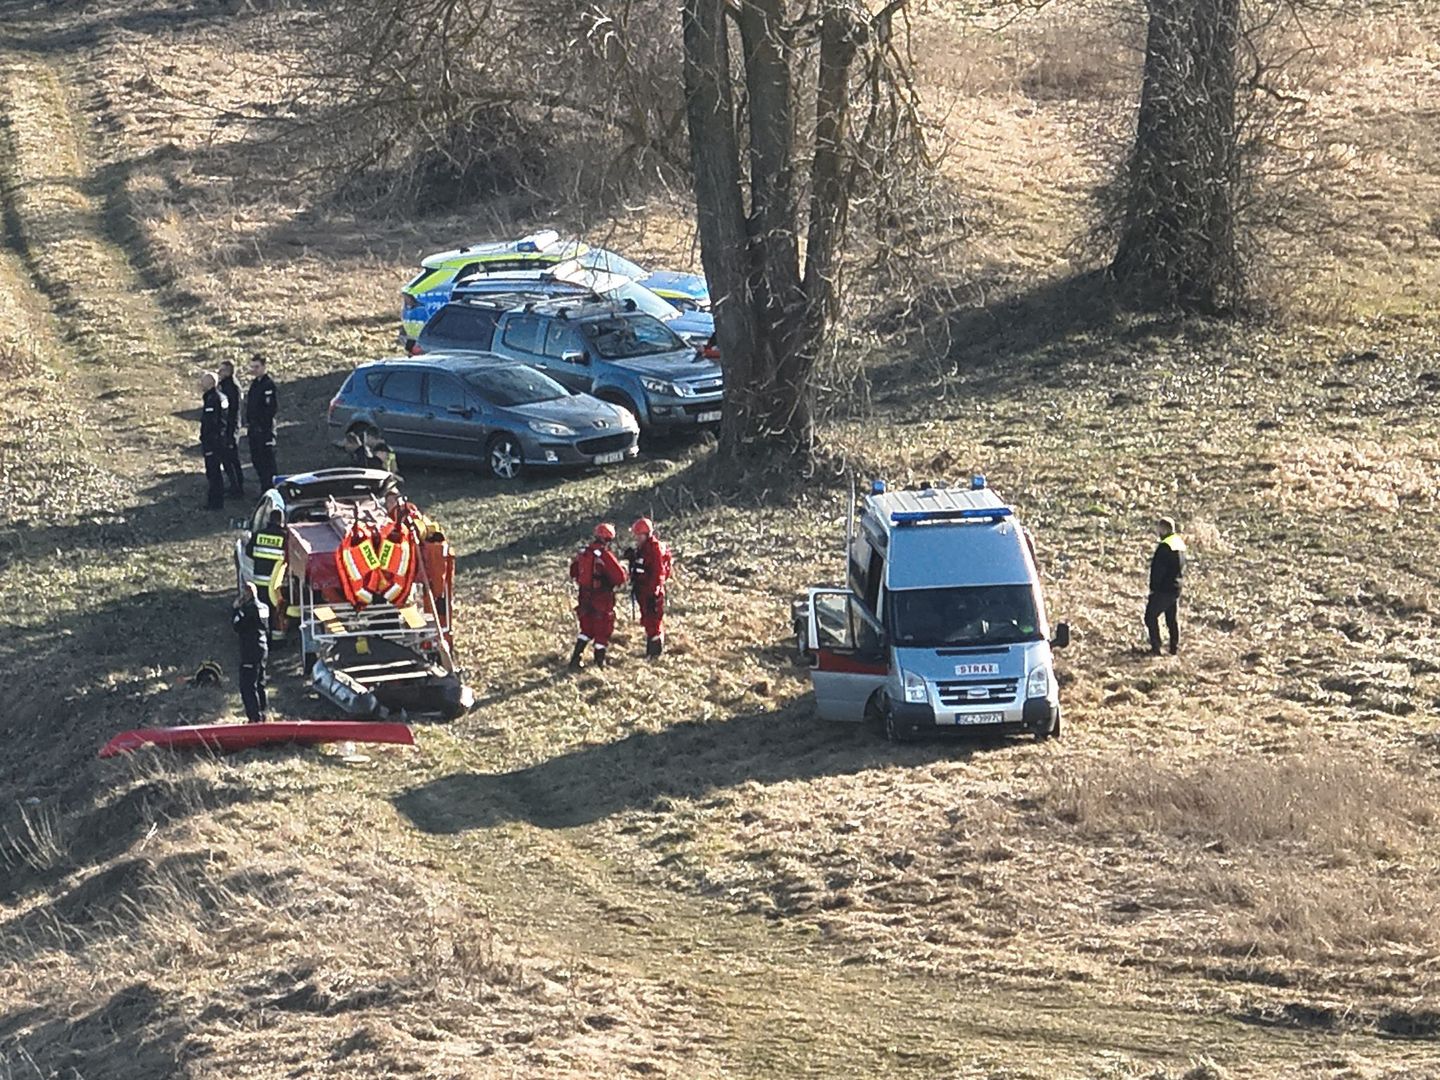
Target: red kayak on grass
(230,737)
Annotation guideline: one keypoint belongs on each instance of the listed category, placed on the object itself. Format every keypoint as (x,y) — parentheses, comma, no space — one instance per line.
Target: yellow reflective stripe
(1174,542)
(269,540)
(386,550)
(367,552)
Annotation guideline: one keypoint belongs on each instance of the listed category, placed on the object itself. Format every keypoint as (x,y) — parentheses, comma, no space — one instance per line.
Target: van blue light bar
(974,513)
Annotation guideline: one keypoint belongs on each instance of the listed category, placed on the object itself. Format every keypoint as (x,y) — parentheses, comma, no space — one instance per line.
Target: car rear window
(404,385)
(445,391)
(619,337)
(474,327)
(521,333)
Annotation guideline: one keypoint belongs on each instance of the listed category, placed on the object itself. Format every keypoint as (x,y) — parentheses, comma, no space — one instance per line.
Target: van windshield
(971,615)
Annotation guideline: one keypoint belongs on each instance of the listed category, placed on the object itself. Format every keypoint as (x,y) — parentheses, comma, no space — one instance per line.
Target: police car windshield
(620,337)
(506,386)
(970,615)
(645,300)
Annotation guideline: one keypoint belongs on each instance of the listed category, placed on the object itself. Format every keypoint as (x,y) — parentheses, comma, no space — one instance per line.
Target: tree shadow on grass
(137,1033)
(685,760)
(1046,336)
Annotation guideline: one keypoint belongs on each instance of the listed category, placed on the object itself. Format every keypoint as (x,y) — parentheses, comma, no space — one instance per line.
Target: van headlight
(915,690)
(1038,684)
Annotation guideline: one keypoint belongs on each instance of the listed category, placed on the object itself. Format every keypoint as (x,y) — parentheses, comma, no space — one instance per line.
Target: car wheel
(366,433)
(620,401)
(504,457)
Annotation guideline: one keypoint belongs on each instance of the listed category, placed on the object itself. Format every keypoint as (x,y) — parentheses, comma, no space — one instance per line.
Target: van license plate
(610,459)
(977,669)
(708,417)
(974,719)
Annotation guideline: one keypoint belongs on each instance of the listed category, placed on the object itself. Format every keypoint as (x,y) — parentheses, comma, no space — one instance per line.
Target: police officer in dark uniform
(1167,567)
(212,440)
(230,462)
(260,405)
(250,621)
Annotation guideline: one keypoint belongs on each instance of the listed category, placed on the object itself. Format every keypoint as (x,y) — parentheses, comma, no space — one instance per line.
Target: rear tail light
(711,351)
(330,412)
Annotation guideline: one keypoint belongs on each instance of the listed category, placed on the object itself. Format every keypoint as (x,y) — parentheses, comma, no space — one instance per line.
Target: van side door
(849,659)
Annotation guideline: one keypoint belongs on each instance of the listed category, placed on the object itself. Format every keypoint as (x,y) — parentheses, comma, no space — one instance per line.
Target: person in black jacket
(261,403)
(230,459)
(250,621)
(212,440)
(1167,568)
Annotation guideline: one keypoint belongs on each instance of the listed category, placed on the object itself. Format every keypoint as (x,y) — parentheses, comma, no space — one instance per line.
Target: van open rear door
(848,661)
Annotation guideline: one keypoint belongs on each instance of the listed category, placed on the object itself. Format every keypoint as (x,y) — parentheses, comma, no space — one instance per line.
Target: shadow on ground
(685,760)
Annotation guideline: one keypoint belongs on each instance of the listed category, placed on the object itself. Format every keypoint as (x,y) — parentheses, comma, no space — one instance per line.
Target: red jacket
(650,567)
(599,579)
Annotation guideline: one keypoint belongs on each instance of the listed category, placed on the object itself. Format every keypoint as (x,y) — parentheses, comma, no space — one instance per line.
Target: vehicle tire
(504,458)
(621,401)
(893,732)
(1053,733)
(367,433)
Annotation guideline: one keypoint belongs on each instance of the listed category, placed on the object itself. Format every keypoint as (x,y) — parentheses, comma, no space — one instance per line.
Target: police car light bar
(973,513)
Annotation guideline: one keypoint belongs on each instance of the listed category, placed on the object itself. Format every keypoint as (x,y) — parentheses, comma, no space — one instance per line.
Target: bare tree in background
(792,111)
(1178,239)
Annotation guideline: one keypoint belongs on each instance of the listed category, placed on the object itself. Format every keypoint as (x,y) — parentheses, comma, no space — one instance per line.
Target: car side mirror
(1062,636)
(574,357)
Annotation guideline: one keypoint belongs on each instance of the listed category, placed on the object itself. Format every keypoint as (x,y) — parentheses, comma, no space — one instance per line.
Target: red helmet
(643,527)
(605,531)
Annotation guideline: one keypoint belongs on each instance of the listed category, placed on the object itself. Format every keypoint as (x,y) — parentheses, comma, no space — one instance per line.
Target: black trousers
(252,690)
(215,495)
(262,456)
(230,462)
(1168,605)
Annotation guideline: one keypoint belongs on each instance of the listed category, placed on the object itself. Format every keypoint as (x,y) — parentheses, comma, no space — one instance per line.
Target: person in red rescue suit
(649,570)
(598,573)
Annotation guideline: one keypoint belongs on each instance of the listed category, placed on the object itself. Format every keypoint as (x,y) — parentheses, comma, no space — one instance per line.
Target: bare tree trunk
(720,209)
(1178,237)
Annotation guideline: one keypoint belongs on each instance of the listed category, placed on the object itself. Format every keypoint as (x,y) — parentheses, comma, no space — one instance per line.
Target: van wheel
(1052,733)
(893,732)
(504,458)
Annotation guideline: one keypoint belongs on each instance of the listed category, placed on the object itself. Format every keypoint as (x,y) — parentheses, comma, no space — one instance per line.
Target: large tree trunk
(1178,238)
(771,316)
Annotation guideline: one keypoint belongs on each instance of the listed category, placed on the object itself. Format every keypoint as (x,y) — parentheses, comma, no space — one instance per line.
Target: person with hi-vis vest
(598,573)
(1167,568)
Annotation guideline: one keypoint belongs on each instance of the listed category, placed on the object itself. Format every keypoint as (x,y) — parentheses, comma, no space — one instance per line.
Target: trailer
(376,660)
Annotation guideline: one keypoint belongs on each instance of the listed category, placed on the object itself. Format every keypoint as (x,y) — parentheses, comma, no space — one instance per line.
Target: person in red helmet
(649,570)
(598,573)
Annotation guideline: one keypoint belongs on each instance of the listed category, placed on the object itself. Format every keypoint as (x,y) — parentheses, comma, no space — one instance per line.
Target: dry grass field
(1229,866)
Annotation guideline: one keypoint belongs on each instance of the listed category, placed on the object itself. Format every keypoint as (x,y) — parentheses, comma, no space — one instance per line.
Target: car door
(849,658)
(565,357)
(244,563)
(455,426)
(520,337)
(400,410)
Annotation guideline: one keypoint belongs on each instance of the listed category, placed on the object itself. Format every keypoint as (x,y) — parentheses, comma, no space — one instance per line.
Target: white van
(941,626)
